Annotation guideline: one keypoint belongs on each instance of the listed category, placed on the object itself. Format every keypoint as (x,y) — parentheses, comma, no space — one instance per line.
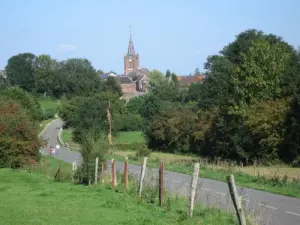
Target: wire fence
(178,186)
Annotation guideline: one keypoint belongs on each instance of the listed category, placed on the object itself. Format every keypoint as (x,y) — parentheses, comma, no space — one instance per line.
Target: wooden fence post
(113,173)
(126,175)
(96,170)
(193,189)
(102,172)
(142,176)
(74,168)
(161,184)
(237,200)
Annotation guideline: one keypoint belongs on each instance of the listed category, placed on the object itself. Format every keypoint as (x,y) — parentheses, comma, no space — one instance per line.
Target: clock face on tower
(129,60)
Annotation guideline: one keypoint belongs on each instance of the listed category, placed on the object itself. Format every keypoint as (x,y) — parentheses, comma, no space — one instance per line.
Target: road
(266,208)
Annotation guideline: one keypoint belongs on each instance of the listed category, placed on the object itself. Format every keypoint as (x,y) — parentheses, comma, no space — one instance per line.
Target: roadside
(278,180)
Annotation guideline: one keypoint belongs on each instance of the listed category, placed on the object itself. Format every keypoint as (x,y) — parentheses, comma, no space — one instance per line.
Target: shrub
(19,144)
(143,151)
(48,113)
(26,100)
(92,146)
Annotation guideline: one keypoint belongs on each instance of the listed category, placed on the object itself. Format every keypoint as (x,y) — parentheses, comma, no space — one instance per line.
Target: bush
(19,144)
(26,100)
(130,122)
(92,146)
(129,147)
(143,152)
(48,113)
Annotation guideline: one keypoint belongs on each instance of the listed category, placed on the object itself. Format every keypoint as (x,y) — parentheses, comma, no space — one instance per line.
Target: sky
(168,34)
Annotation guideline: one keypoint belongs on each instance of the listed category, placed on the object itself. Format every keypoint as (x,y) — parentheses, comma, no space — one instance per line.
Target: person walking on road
(57,148)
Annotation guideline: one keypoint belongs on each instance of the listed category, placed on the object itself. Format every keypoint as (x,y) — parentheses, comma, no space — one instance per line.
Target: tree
(20,71)
(168,73)
(26,100)
(155,78)
(258,77)
(171,129)
(78,77)
(45,70)
(197,72)
(112,85)
(19,143)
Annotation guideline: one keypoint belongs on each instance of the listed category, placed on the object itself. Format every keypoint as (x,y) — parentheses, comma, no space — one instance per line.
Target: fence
(117,176)
(233,201)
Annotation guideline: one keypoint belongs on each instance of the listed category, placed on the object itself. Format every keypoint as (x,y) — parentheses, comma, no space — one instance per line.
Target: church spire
(130,45)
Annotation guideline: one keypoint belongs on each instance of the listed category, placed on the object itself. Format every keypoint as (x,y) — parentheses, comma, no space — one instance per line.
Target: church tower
(131,60)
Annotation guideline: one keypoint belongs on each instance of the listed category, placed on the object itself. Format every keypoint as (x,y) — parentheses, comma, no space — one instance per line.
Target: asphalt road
(265,208)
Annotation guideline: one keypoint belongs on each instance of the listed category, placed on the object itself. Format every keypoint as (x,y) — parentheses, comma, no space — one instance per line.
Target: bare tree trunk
(142,176)
(193,189)
(237,200)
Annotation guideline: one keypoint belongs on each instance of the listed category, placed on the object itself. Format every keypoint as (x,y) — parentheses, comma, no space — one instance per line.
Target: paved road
(266,208)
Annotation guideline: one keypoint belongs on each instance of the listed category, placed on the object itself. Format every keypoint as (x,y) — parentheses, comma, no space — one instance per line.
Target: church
(134,81)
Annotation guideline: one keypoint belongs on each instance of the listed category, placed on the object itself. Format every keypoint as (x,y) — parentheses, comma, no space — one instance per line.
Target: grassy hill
(31,198)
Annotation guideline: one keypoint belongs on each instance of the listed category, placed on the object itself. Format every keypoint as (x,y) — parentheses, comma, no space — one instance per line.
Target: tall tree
(79,77)
(45,74)
(20,71)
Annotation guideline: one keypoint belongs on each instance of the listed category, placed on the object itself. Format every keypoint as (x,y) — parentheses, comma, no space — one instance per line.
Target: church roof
(124,79)
(134,75)
(187,80)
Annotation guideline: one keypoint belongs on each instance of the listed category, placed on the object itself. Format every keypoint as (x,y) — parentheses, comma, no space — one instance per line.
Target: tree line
(246,109)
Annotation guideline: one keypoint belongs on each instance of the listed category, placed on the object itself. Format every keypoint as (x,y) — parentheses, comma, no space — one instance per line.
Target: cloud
(67,48)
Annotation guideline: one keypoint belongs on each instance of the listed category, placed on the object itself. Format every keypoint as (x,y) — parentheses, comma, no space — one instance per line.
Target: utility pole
(109,123)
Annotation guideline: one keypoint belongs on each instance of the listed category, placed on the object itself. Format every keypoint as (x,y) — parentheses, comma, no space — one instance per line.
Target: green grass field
(129,137)
(122,138)
(32,198)
(48,104)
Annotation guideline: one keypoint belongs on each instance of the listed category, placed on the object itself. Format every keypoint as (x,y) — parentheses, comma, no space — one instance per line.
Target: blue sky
(168,34)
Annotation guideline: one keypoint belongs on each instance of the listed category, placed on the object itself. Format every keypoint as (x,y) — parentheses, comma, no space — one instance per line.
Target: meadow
(31,196)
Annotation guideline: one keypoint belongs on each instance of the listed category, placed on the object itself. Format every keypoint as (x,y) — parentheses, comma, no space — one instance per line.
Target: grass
(129,137)
(31,198)
(122,138)
(48,104)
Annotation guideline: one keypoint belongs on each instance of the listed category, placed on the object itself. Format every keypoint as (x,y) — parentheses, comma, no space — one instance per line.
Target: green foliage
(112,85)
(155,78)
(143,151)
(84,113)
(93,145)
(26,100)
(129,122)
(20,70)
(171,128)
(19,143)
(77,77)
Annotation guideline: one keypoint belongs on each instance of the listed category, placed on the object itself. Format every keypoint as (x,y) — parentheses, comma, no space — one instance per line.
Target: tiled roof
(189,79)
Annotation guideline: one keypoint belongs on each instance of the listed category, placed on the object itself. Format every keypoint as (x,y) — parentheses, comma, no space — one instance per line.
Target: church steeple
(131,59)
(130,45)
